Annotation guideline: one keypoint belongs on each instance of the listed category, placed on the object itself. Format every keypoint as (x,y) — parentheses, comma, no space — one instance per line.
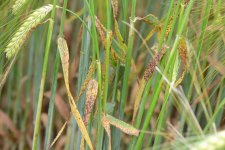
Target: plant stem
(53,89)
(44,72)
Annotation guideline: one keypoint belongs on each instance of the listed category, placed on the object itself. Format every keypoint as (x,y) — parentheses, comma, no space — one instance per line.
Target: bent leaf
(64,55)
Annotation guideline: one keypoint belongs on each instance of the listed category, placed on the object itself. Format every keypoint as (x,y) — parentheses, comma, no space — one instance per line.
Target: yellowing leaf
(119,36)
(106,126)
(148,37)
(82,147)
(183,53)
(91,71)
(64,55)
(151,20)
(58,135)
(126,128)
(138,99)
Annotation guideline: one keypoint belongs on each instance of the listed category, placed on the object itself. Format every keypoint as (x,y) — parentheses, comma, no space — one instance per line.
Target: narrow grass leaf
(58,135)
(4,76)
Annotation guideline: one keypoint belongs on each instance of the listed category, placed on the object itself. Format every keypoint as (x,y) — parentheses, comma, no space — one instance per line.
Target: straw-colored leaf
(58,135)
(82,146)
(64,55)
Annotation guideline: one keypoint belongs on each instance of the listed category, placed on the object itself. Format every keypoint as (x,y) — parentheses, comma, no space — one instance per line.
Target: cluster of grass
(110,74)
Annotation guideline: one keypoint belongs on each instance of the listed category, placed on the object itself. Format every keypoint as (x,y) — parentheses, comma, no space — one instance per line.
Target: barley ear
(18,5)
(25,29)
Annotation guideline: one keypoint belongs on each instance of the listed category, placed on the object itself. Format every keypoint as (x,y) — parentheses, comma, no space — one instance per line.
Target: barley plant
(112,74)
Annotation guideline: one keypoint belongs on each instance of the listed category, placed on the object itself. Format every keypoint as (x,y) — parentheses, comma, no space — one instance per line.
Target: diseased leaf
(102,32)
(106,126)
(115,8)
(153,63)
(119,37)
(151,20)
(138,99)
(82,147)
(126,128)
(91,95)
(64,55)
(91,71)
(183,53)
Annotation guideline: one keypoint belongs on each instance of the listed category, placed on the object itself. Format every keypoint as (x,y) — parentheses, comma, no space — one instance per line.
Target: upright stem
(44,72)
(127,65)
(53,89)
